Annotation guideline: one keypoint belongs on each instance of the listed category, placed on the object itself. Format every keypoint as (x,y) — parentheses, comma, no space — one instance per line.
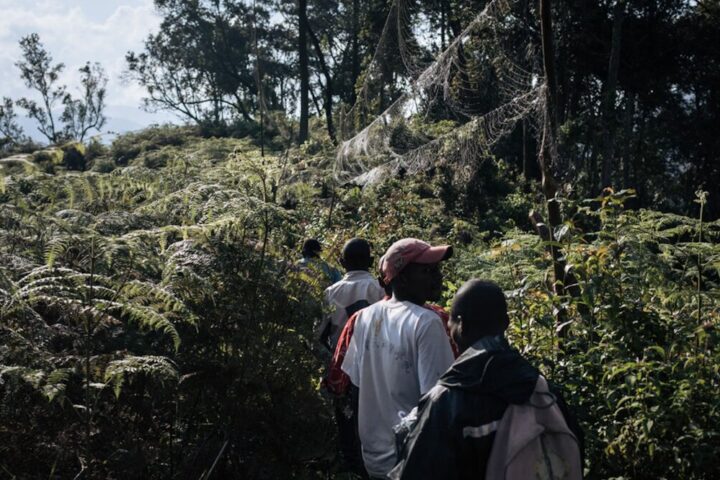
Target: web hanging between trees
(479,82)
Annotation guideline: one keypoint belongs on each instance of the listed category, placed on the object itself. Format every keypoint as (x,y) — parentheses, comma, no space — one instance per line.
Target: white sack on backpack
(533,441)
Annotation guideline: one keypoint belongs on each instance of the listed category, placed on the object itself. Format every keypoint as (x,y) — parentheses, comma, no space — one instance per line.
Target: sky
(77,31)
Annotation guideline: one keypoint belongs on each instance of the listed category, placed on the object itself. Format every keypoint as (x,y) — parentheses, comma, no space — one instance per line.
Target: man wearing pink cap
(398,349)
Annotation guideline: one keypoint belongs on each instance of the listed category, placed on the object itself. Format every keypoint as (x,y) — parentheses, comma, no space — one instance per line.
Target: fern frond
(56,382)
(56,248)
(147,318)
(7,286)
(158,369)
(50,385)
(147,293)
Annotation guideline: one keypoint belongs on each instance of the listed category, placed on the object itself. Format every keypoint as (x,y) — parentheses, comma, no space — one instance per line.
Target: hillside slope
(151,320)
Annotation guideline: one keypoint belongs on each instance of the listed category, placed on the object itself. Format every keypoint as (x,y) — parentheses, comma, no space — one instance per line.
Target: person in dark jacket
(452,434)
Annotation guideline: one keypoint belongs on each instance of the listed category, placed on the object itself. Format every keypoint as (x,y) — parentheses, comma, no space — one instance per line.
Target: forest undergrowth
(152,323)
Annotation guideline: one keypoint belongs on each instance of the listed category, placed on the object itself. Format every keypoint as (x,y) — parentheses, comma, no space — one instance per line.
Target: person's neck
(416,299)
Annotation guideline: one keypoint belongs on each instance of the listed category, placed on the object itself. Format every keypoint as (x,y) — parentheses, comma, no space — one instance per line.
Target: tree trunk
(549,65)
(628,127)
(328,83)
(609,114)
(315,101)
(354,48)
(443,22)
(258,81)
(53,134)
(240,105)
(525,157)
(547,152)
(304,72)
(637,177)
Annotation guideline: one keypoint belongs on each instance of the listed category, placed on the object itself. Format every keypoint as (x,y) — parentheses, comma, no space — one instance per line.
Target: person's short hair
(311,247)
(481,308)
(356,254)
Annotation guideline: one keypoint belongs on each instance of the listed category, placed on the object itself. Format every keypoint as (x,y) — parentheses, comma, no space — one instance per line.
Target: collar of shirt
(491,343)
(356,274)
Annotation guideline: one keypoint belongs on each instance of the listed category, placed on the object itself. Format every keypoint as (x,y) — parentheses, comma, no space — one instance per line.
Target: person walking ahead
(459,419)
(356,290)
(398,348)
(312,262)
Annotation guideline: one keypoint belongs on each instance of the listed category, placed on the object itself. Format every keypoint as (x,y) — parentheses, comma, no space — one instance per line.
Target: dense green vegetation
(152,324)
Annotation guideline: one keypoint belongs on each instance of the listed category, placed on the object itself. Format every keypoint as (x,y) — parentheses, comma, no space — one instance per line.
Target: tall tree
(328,31)
(82,115)
(304,71)
(328,103)
(609,95)
(548,152)
(10,132)
(39,74)
(354,46)
(200,64)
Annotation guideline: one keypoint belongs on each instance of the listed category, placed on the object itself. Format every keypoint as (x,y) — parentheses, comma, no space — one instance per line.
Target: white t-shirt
(356,286)
(397,352)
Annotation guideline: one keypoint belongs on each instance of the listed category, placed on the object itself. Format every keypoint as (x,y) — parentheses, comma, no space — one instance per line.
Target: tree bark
(456,29)
(526,166)
(547,151)
(354,48)
(328,83)
(549,65)
(443,23)
(628,127)
(304,72)
(315,100)
(610,89)
(258,81)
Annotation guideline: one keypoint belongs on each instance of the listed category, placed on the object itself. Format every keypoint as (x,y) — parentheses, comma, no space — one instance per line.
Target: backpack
(533,441)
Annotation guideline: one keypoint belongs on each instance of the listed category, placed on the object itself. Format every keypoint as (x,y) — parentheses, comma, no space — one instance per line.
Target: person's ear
(342,262)
(456,330)
(506,322)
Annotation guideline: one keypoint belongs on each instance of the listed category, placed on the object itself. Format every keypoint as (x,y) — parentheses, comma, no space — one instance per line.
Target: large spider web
(451,87)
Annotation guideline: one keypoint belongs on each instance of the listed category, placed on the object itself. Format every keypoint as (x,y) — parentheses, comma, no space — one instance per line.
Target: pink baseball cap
(410,250)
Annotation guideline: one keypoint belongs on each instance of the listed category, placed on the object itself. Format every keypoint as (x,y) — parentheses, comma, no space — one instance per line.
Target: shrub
(74,156)
(403,139)
(103,165)
(157,158)
(52,156)
(128,146)
(95,149)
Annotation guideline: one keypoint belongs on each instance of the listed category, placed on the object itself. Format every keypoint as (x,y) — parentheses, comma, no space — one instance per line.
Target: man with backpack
(357,289)
(491,415)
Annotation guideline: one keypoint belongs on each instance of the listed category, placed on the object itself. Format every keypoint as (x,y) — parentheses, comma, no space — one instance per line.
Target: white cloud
(73,35)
